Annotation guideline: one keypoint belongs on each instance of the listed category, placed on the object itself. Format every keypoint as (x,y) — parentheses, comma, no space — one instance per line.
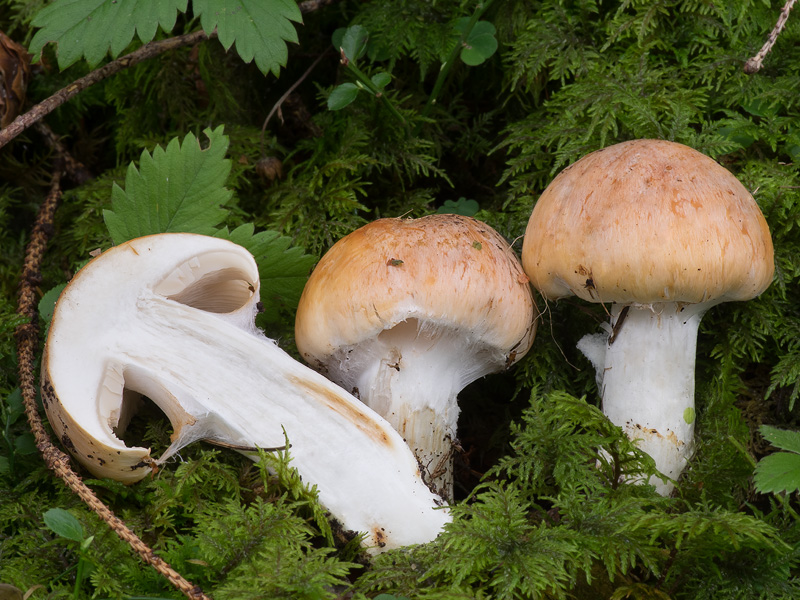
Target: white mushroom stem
(645,373)
(171,317)
(412,375)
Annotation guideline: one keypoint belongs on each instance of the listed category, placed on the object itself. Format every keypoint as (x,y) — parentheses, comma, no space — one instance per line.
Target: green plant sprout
(475,43)
(16,444)
(352,44)
(66,526)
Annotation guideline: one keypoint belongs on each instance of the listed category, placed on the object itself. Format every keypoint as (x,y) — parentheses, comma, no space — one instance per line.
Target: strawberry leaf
(259,28)
(181,188)
(779,472)
(781,438)
(92,29)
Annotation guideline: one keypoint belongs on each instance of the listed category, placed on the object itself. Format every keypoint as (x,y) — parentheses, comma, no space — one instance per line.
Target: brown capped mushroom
(406,313)
(663,233)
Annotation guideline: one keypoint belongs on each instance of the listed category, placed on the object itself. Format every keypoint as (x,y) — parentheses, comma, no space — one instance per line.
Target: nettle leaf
(259,28)
(283,270)
(181,188)
(94,28)
(480,43)
(342,95)
(779,472)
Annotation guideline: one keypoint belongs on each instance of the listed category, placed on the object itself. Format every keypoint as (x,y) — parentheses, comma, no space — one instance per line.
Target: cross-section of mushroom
(171,316)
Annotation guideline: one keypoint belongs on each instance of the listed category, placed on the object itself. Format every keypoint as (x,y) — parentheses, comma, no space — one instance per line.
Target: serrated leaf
(64,524)
(779,472)
(781,438)
(178,189)
(342,95)
(259,28)
(94,28)
(283,270)
(381,80)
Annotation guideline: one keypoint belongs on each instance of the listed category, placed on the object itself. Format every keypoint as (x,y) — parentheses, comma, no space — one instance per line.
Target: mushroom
(171,316)
(406,313)
(663,233)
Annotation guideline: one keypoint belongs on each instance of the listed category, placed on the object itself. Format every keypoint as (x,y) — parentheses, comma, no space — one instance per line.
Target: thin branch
(286,94)
(45,107)
(26,336)
(754,64)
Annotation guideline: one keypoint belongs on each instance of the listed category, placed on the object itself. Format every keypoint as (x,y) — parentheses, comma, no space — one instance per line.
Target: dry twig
(45,107)
(26,336)
(754,64)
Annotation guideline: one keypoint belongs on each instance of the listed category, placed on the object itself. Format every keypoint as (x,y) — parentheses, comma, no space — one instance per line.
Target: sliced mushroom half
(171,316)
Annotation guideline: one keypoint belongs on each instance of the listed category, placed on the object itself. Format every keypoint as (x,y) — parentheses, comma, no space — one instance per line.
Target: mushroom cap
(444,271)
(648,221)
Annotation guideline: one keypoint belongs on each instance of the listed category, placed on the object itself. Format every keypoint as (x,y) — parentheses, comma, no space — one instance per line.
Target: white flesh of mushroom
(645,373)
(412,375)
(171,316)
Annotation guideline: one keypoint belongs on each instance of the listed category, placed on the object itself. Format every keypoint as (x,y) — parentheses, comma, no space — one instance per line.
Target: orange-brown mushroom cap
(648,221)
(444,271)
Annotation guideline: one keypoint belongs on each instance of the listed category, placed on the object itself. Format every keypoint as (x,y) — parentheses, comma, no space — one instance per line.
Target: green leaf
(779,472)
(381,80)
(25,444)
(64,524)
(283,270)
(178,189)
(781,438)
(93,28)
(14,406)
(342,95)
(353,41)
(259,28)
(48,302)
(480,43)
(462,206)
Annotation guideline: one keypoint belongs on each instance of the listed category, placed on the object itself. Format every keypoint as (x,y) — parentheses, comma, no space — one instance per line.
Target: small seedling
(65,525)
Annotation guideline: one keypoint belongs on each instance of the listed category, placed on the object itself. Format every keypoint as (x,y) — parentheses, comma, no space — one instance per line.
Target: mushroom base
(645,373)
